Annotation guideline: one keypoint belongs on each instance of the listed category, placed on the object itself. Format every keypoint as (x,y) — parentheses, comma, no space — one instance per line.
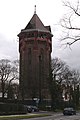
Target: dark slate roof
(35,24)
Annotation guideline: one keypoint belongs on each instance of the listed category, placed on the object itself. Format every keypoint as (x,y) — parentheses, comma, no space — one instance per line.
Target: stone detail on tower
(35,46)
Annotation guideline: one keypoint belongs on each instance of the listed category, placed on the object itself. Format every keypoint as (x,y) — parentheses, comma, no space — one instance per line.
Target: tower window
(29,35)
(29,55)
(42,52)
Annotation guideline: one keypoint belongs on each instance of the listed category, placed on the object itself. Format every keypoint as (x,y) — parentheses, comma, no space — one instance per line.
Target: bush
(11,108)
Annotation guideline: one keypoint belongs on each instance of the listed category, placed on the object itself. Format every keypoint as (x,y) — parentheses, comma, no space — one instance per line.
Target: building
(35,46)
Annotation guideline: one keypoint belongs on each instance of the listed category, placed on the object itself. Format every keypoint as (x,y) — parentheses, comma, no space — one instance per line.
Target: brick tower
(35,46)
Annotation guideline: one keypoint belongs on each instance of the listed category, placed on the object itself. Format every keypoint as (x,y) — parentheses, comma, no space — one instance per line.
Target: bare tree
(71,22)
(8,73)
(64,82)
(55,79)
(60,70)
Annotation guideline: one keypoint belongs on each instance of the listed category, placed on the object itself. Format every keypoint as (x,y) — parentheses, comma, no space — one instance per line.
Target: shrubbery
(12,108)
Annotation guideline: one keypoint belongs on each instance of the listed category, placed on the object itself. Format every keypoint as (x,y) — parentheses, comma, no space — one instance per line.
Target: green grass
(18,117)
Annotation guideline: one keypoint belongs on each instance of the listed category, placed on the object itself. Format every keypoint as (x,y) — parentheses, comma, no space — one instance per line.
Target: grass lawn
(18,117)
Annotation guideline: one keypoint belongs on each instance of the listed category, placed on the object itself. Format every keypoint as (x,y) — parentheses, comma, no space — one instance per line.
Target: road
(57,116)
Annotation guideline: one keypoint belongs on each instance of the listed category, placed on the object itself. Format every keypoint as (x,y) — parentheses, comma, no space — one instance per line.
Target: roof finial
(35,9)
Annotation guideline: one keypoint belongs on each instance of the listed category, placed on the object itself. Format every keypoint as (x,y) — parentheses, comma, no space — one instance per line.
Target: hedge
(12,108)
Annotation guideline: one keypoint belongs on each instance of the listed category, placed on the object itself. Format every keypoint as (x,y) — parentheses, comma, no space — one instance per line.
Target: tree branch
(69,24)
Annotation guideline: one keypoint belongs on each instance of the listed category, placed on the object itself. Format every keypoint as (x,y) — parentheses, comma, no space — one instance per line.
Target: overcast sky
(14,16)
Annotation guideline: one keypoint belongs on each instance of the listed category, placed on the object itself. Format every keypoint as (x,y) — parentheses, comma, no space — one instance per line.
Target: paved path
(57,116)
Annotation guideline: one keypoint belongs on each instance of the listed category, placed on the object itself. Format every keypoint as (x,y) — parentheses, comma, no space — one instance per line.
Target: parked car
(35,108)
(28,108)
(69,111)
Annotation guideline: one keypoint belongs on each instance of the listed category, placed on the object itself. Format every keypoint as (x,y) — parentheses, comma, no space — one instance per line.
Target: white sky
(14,16)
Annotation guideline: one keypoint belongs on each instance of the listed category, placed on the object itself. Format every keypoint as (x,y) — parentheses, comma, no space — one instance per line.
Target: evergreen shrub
(12,108)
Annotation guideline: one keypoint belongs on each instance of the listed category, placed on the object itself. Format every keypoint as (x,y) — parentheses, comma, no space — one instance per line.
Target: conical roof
(35,24)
